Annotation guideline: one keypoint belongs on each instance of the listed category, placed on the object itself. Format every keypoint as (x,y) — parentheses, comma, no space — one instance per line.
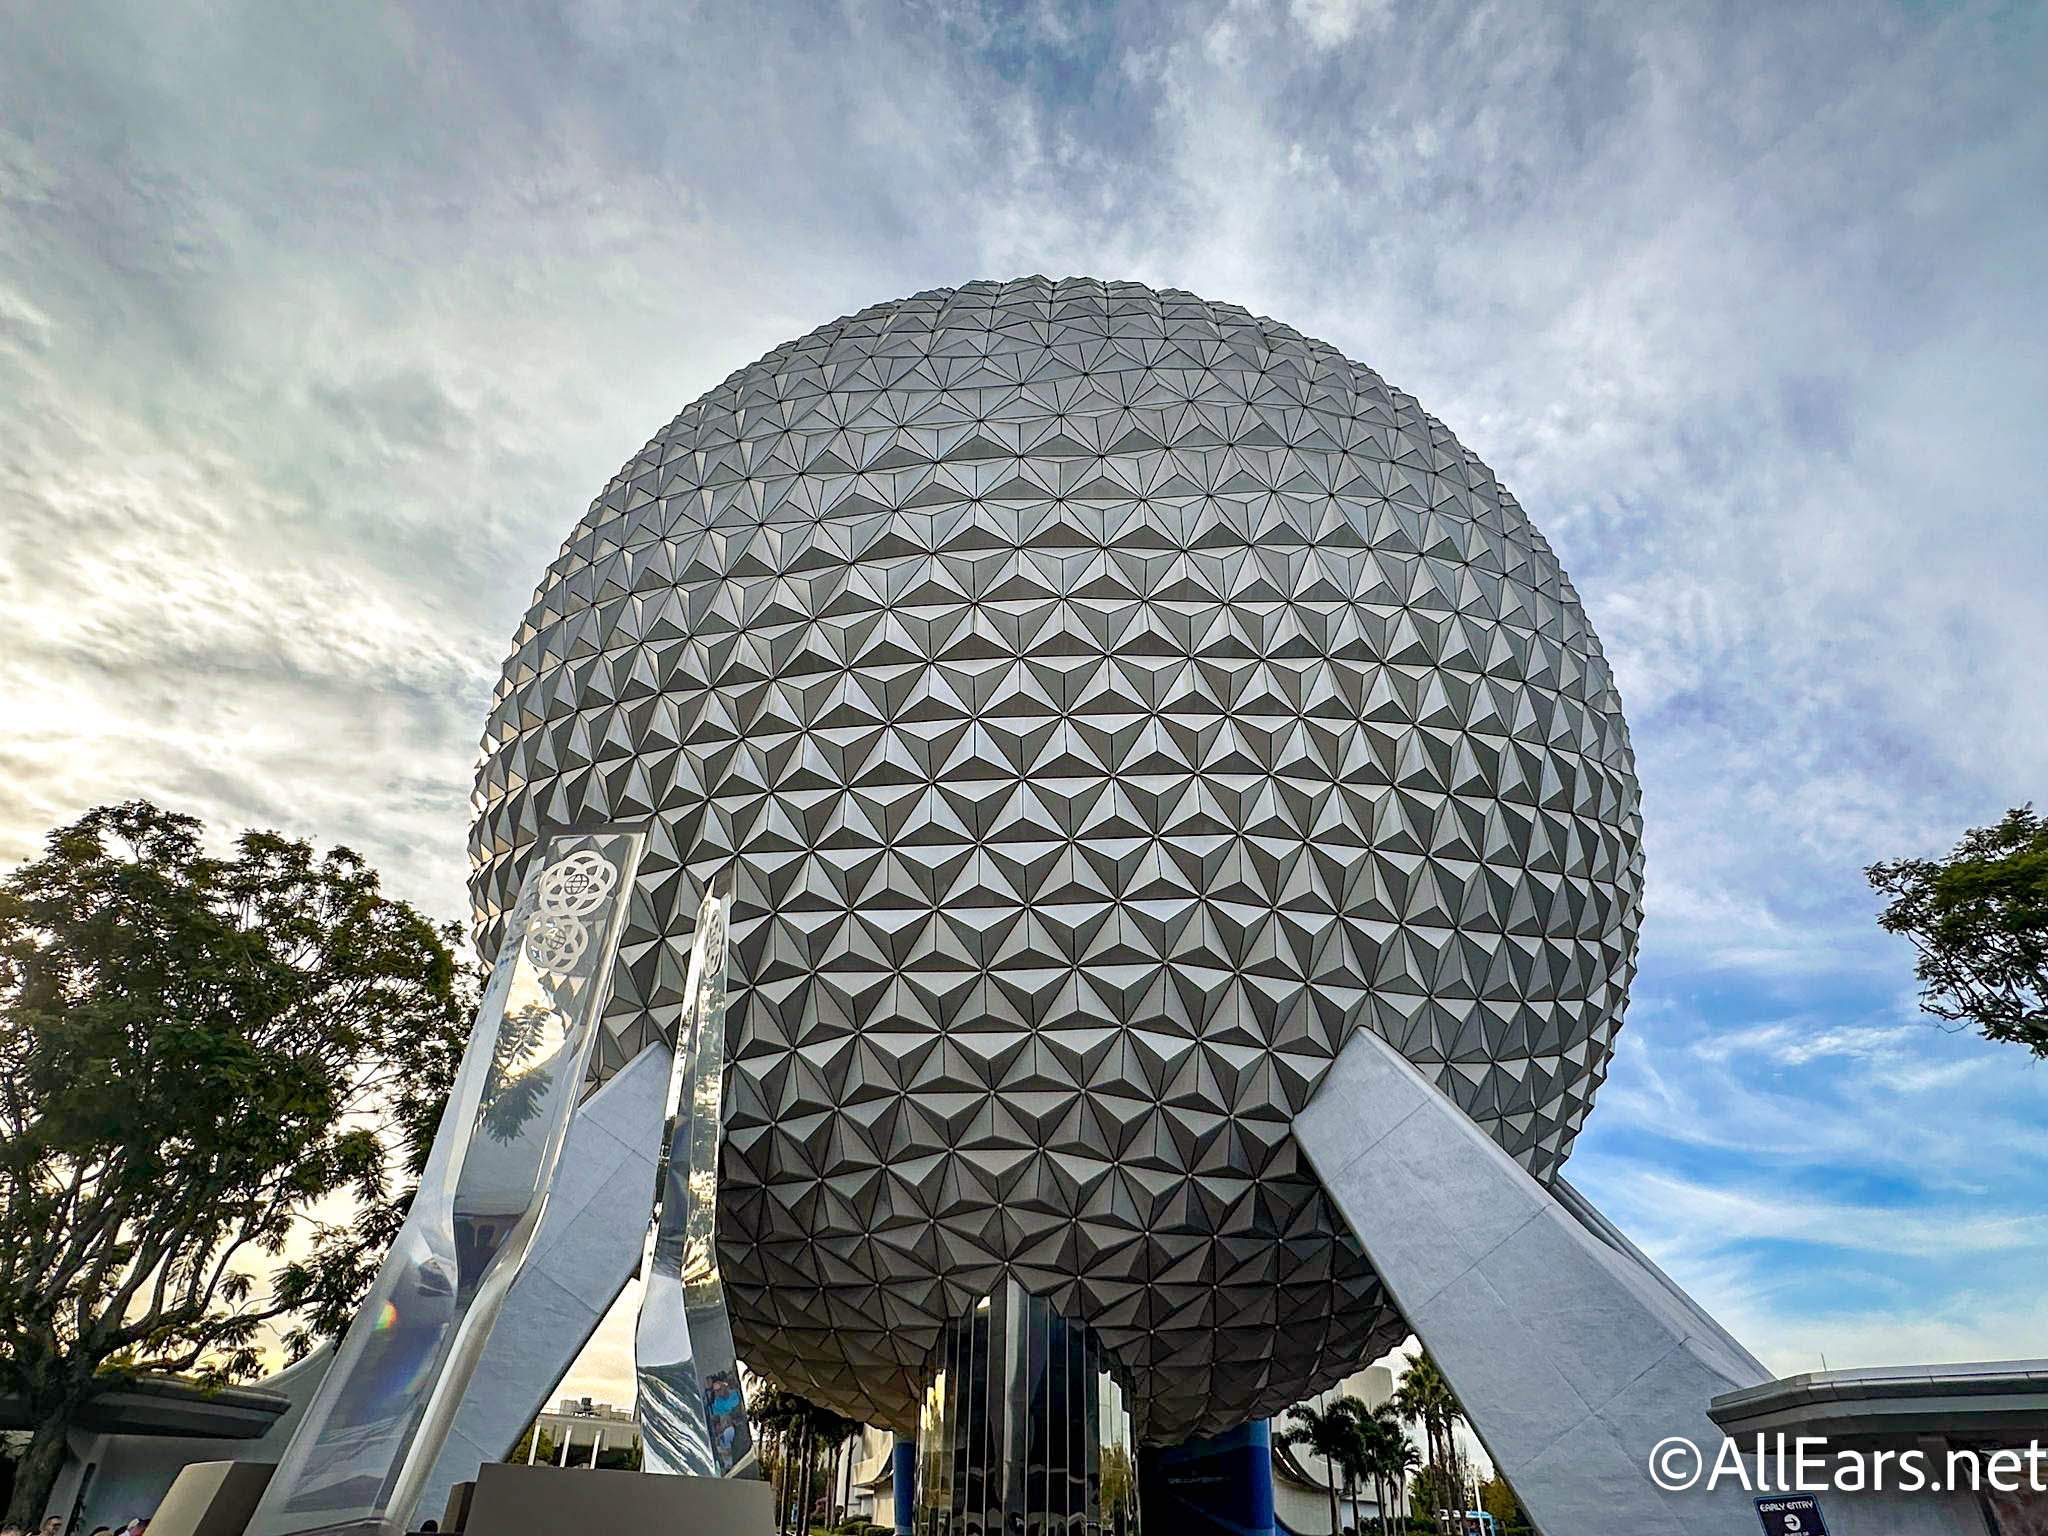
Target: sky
(320,327)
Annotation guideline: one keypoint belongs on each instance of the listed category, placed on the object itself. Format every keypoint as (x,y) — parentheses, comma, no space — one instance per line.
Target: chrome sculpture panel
(692,1409)
(1106,702)
(370,1435)
(1024,1430)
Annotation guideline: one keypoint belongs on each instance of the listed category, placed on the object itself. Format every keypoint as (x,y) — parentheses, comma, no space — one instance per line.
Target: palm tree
(1395,1461)
(1378,1431)
(1330,1433)
(824,1432)
(1355,1461)
(775,1420)
(1425,1396)
(799,1431)
(838,1434)
(778,1420)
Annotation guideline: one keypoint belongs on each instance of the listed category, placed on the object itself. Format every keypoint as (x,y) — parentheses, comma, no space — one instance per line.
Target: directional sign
(1791,1514)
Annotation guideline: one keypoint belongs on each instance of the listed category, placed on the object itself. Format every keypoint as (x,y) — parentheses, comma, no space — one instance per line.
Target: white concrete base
(1572,1354)
(212,1498)
(519,1501)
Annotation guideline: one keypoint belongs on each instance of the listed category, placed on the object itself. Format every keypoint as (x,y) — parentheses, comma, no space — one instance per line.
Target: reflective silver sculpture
(358,1460)
(692,1410)
(1107,701)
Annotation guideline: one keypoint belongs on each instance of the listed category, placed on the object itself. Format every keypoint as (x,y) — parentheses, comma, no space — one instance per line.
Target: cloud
(1738,1215)
(318,331)
(1331,23)
(1844,1180)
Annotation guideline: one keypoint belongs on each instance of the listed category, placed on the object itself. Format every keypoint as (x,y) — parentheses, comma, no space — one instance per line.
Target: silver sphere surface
(1104,701)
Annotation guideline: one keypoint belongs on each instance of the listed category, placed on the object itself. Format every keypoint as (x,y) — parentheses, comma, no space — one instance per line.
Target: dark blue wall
(1218,1487)
(905,1474)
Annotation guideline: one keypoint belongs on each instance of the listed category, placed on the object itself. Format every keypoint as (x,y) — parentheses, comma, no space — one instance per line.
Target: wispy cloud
(317,331)
(1844,1180)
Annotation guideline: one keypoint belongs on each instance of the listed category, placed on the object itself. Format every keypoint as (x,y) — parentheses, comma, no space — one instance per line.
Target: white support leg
(1572,1354)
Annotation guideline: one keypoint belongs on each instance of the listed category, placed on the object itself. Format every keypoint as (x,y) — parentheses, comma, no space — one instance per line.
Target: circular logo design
(557,944)
(714,936)
(576,886)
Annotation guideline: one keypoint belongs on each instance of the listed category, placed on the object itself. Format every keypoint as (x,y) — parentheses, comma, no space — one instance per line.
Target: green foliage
(1366,1445)
(619,1458)
(195,1052)
(793,1434)
(524,1450)
(1979,920)
(1119,1482)
(615,1458)
(1330,1433)
(1424,1394)
(1500,1501)
(1433,1489)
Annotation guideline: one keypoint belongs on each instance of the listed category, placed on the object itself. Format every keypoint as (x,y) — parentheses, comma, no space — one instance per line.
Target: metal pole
(596,1445)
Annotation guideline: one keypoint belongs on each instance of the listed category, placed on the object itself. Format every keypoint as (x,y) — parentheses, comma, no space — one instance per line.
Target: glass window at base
(1024,1429)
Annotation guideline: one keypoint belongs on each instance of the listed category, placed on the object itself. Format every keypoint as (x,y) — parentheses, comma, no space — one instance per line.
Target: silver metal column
(693,1417)
(375,1426)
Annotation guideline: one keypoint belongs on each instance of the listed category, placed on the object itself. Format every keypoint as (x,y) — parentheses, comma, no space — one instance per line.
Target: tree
(1424,1395)
(524,1449)
(1500,1501)
(1390,1456)
(620,1458)
(196,1051)
(1331,1433)
(1979,920)
(829,1434)
(794,1432)
(1362,1445)
(1434,1491)
(1356,1460)
(773,1415)
(1119,1489)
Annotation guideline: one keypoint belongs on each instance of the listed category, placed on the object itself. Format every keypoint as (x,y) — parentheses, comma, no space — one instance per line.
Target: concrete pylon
(1572,1355)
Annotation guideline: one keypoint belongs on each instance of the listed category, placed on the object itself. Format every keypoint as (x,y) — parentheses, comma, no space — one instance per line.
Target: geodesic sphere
(1104,702)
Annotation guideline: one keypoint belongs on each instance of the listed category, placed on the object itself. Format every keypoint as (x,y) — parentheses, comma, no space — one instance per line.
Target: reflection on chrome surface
(1024,1428)
(693,1416)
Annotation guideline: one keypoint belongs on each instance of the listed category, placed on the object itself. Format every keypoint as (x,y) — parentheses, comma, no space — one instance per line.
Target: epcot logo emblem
(577,885)
(568,891)
(557,944)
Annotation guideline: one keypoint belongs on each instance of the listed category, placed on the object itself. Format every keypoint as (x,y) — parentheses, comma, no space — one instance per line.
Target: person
(54,1526)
